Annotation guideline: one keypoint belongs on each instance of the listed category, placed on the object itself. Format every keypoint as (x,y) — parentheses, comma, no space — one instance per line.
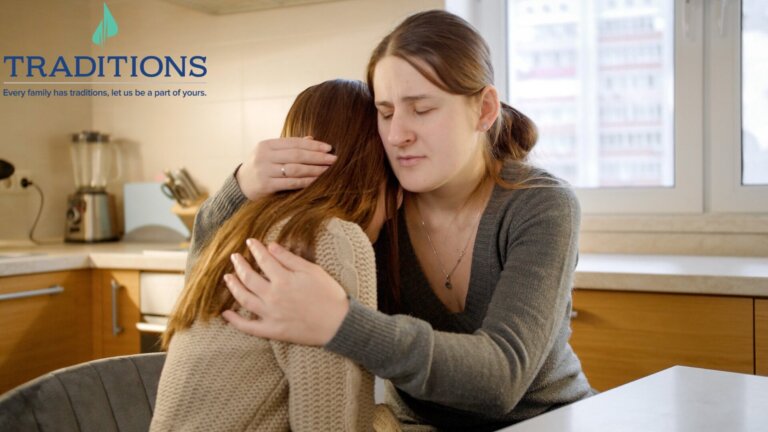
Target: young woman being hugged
(216,378)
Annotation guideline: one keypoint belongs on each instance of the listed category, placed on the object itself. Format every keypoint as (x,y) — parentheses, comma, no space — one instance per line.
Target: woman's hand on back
(295,301)
(283,164)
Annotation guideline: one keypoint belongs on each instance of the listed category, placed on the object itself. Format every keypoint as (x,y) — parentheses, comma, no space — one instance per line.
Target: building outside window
(597,78)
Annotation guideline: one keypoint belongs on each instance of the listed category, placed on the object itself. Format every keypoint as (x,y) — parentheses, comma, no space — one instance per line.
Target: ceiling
(221,7)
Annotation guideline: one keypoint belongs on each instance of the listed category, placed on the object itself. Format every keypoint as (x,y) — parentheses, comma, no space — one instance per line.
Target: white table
(676,399)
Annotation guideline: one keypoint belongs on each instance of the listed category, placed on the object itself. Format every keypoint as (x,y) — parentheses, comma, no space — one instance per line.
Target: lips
(409,161)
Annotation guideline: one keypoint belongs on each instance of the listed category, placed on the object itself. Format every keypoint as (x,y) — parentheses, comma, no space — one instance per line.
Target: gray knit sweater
(506,357)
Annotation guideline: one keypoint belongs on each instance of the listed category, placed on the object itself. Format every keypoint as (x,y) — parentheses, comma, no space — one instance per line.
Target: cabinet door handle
(574,313)
(116,329)
(56,289)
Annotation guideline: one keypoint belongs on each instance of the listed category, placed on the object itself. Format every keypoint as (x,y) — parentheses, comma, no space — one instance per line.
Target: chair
(114,394)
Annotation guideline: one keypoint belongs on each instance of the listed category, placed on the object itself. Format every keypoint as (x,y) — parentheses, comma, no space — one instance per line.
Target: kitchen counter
(119,255)
(738,276)
(677,399)
(683,274)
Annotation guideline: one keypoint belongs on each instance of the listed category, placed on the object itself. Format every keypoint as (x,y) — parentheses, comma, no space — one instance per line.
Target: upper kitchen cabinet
(623,336)
(761,337)
(115,312)
(46,324)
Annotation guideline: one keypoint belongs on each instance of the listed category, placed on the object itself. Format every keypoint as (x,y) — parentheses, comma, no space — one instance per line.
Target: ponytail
(510,141)
(513,136)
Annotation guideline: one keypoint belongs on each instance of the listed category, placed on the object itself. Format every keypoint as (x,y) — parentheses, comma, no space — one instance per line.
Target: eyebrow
(414,98)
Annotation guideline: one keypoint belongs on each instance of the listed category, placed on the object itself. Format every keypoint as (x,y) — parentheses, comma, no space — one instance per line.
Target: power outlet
(12,185)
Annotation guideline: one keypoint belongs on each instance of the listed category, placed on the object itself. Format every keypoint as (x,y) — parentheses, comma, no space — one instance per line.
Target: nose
(399,132)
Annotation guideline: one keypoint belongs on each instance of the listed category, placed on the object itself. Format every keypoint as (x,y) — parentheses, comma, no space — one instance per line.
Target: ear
(490,106)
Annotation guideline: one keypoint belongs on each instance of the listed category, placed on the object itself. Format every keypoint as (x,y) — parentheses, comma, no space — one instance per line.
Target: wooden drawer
(761,337)
(45,332)
(114,331)
(623,336)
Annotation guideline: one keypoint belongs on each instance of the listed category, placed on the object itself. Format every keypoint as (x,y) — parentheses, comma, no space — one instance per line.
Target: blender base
(91,218)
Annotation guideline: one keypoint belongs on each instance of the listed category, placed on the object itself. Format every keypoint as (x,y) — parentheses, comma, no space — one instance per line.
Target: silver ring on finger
(282,170)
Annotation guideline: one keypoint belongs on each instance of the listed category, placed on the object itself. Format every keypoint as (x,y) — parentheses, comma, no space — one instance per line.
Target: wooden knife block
(187,214)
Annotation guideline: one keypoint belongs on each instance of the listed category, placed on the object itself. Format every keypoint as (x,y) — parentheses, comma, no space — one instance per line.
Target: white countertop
(118,255)
(745,276)
(677,399)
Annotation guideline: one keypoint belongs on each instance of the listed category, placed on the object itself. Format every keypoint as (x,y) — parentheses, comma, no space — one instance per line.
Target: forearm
(467,372)
(214,212)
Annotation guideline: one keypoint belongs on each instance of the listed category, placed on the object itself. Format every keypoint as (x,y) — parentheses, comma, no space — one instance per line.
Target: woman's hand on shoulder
(283,164)
(294,301)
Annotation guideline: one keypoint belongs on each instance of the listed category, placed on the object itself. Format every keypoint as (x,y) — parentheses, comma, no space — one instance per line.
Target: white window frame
(707,120)
(723,113)
(490,19)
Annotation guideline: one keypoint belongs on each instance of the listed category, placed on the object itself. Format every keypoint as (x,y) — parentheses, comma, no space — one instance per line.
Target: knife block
(187,214)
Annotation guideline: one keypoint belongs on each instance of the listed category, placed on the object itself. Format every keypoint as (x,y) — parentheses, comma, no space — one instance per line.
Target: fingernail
(330,158)
(233,257)
(249,242)
(327,147)
(226,278)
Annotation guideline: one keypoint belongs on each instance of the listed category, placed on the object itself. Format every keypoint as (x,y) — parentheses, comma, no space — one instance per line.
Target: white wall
(257,63)
(34,131)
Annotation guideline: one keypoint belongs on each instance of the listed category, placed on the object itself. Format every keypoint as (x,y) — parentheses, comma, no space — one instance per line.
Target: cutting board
(146,207)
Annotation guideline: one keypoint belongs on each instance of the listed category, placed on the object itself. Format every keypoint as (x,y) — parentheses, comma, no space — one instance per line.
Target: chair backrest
(113,394)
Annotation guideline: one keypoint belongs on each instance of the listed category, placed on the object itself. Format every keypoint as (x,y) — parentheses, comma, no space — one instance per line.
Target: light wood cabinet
(43,330)
(623,336)
(115,312)
(761,337)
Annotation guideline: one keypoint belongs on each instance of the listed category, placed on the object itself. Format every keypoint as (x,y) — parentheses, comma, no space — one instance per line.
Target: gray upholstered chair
(114,394)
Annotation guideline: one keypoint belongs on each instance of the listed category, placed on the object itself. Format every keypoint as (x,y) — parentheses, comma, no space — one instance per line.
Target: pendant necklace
(447,275)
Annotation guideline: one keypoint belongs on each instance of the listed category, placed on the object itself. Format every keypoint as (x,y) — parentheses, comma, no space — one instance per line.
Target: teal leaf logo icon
(106,29)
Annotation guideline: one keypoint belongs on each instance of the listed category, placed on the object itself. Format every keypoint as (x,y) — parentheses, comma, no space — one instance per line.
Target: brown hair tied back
(514,135)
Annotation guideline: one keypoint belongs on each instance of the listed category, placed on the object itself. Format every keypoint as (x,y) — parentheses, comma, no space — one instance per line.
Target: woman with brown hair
(475,272)
(216,378)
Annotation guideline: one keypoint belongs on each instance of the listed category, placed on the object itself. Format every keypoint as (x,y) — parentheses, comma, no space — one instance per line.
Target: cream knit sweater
(216,378)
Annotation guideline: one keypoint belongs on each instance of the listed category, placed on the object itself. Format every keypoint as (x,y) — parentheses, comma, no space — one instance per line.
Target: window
(754,72)
(737,86)
(615,87)
(598,80)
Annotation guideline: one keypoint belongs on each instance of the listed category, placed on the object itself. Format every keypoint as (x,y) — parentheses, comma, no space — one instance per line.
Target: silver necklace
(448,284)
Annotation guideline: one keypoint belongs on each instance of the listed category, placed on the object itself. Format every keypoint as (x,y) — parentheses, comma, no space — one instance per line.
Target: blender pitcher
(94,156)
(91,214)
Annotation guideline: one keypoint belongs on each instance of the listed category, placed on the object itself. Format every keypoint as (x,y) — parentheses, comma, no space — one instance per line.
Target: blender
(91,215)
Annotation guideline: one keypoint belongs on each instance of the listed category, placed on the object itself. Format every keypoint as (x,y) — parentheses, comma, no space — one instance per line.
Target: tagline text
(134,92)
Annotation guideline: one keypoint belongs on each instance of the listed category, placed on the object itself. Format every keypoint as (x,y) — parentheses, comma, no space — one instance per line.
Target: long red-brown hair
(339,112)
